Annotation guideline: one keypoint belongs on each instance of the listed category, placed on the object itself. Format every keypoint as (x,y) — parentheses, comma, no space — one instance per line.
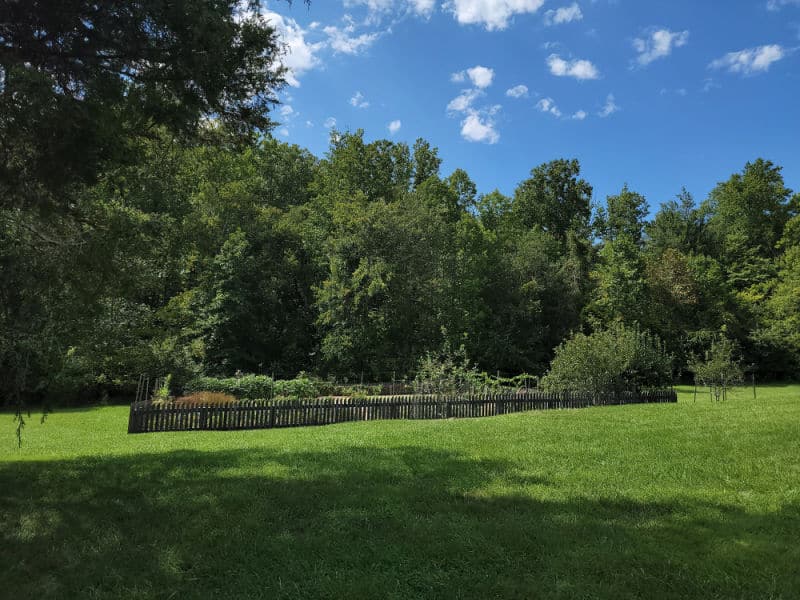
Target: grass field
(694,500)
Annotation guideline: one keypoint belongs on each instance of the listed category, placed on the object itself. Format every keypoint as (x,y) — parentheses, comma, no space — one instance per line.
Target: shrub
(213,398)
(251,387)
(300,388)
(357,390)
(612,360)
(162,393)
(719,369)
(449,372)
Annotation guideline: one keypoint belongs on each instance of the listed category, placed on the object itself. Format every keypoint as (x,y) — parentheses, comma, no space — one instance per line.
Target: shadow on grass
(367,523)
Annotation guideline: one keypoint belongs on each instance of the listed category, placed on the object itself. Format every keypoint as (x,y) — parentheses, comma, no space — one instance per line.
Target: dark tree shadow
(367,523)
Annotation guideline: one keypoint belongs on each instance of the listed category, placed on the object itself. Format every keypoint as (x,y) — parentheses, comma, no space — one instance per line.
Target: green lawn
(694,500)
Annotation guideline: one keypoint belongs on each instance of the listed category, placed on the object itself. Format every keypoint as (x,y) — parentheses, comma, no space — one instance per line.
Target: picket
(266,414)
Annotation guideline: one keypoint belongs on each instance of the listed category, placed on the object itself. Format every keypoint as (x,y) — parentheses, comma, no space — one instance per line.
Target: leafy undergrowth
(694,500)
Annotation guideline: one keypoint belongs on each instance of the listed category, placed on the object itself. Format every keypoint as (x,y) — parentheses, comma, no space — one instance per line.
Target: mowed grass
(694,500)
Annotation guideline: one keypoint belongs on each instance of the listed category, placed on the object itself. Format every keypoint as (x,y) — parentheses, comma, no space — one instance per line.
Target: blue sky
(656,94)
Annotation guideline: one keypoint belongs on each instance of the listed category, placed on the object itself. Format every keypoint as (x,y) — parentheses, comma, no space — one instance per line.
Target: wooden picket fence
(264,414)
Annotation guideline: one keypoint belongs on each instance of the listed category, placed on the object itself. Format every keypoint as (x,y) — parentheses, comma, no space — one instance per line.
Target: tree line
(265,259)
(150,224)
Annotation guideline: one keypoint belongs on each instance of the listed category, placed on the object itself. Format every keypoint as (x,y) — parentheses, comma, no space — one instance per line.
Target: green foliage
(255,387)
(252,387)
(163,392)
(611,360)
(719,369)
(554,199)
(298,388)
(77,97)
(448,372)
(215,258)
(623,217)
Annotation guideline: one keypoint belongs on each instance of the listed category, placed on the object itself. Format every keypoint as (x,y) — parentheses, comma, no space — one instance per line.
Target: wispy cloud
(658,43)
(345,41)
(358,101)
(565,14)
(394,126)
(464,100)
(518,91)
(480,76)
(609,108)
(750,60)
(579,69)
(779,4)
(548,105)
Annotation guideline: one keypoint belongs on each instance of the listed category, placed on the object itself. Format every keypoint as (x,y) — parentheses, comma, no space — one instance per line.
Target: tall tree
(83,86)
(554,199)
(81,81)
(623,217)
(746,217)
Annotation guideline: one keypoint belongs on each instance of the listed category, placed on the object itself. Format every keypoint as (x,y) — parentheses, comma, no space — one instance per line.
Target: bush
(612,360)
(298,388)
(719,369)
(210,398)
(449,372)
(255,387)
(251,387)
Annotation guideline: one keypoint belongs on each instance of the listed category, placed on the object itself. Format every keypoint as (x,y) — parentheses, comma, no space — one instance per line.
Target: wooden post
(754,385)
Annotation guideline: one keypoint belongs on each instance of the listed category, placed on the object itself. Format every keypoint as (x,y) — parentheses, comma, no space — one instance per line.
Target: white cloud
(358,101)
(479,128)
(658,44)
(518,91)
(394,126)
(329,122)
(481,77)
(345,41)
(778,4)
(477,124)
(283,131)
(750,60)
(286,110)
(492,14)
(548,105)
(579,69)
(464,100)
(579,115)
(565,14)
(423,8)
(309,123)
(609,108)
(299,55)
(372,5)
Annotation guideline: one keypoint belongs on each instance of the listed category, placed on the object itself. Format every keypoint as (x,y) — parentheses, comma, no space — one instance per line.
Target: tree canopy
(151,224)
